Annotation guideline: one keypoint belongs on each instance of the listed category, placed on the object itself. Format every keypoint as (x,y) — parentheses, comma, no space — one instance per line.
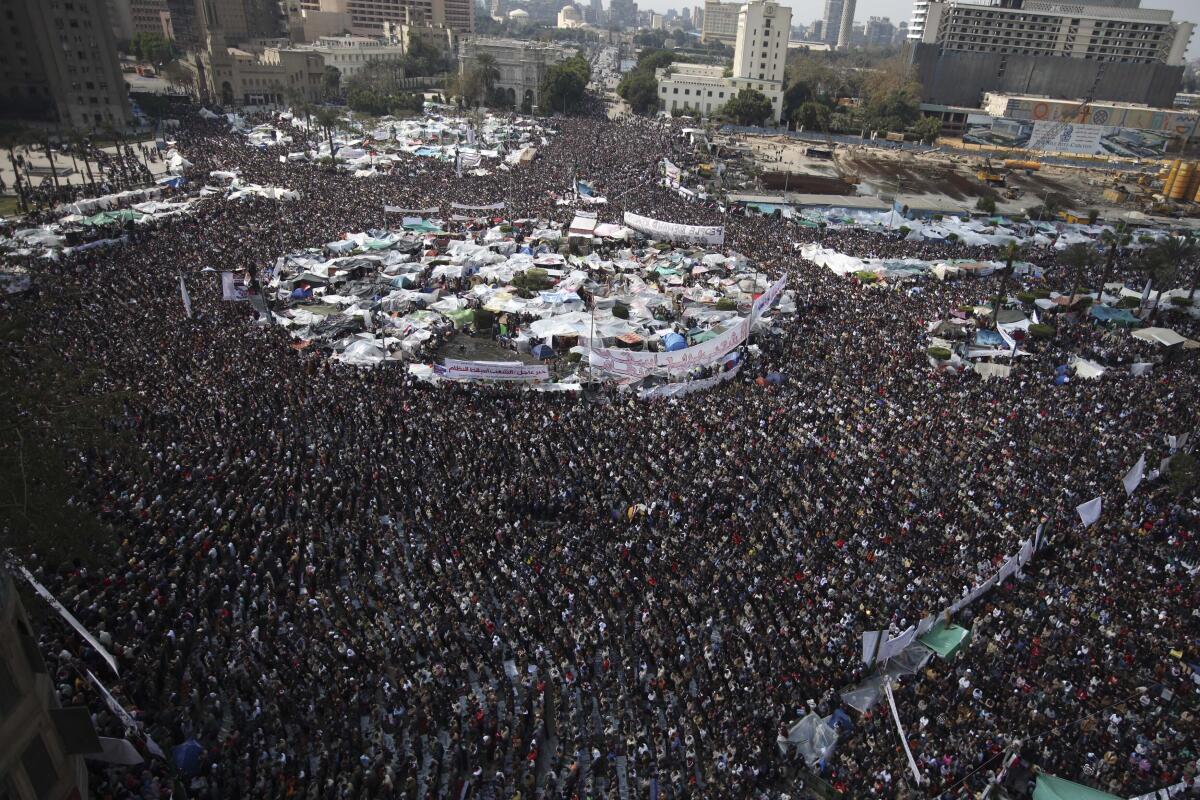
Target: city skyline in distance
(805,11)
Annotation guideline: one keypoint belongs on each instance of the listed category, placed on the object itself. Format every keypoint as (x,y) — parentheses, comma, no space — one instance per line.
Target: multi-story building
(596,12)
(1111,50)
(238,20)
(135,16)
(368,16)
(351,53)
(759,60)
(58,64)
(232,76)
(622,13)
(698,17)
(831,21)
(40,742)
(522,65)
(720,22)
(183,23)
(846,30)
(879,32)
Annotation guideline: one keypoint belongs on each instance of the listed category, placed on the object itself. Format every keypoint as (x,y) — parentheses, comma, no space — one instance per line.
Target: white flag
(70,618)
(1135,475)
(1089,512)
(187,300)
(116,751)
(912,764)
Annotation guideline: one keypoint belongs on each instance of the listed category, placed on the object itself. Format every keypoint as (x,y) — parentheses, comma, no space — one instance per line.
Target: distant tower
(846,30)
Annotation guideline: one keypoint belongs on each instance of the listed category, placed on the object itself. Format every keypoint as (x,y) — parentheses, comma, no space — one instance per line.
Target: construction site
(946,179)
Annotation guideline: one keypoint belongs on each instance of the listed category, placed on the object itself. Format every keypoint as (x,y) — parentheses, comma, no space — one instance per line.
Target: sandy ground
(945,179)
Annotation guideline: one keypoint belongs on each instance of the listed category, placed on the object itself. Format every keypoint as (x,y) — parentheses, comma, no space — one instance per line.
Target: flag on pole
(1135,475)
(912,764)
(187,300)
(1089,512)
(44,593)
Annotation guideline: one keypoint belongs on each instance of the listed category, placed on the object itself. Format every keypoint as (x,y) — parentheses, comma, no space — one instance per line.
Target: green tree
(639,89)
(12,136)
(927,128)
(565,84)
(812,115)
(1164,261)
(1115,240)
(151,47)
(749,107)
(1078,258)
(653,59)
(329,120)
(891,97)
(986,204)
(331,82)
(489,73)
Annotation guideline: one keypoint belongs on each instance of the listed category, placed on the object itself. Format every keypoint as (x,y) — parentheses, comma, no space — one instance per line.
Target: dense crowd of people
(343,582)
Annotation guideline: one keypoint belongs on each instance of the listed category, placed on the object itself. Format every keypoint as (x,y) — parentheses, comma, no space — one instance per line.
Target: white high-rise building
(759,60)
(1115,30)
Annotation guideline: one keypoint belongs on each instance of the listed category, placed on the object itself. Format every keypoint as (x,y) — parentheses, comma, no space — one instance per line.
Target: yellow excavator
(989,175)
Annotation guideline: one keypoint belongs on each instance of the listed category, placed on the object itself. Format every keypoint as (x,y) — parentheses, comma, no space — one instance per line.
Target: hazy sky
(806,11)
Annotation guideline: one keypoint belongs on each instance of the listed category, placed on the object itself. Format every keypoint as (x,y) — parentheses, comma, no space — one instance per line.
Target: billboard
(1070,138)
(1033,109)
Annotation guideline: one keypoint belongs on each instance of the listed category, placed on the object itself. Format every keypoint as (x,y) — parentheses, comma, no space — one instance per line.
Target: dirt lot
(945,178)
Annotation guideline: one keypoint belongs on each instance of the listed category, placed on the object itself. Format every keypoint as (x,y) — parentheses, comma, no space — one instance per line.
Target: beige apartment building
(58,65)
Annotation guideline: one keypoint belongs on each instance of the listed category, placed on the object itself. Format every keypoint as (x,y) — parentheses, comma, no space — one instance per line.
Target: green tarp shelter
(424,226)
(461,316)
(945,640)
(1052,788)
(105,217)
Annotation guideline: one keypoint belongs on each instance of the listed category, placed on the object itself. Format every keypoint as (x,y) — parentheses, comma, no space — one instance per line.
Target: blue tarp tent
(542,351)
(187,757)
(673,341)
(300,293)
(1110,314)
(989,338)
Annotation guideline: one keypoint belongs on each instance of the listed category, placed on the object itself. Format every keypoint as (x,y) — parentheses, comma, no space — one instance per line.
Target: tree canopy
(748,107)
(565,84)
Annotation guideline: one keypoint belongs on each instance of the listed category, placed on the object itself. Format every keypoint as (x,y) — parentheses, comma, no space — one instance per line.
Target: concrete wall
(960,79)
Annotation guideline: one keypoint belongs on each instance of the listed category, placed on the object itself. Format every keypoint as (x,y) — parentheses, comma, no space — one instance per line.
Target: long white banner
(674,232)
(410,211)
(668,390)
(637,365)
(492,207)
(495,370)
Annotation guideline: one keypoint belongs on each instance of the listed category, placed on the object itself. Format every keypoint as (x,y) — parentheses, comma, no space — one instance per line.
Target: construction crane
(1067,119)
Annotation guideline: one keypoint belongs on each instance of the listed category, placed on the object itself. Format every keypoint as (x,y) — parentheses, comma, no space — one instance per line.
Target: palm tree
(79,143)
(1115,239)
(13,136)
(488,72)
(1164,261)
(1078,257)
(1010,255)
(329,119)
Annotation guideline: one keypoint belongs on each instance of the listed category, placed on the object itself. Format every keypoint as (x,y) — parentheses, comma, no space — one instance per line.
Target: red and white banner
(494,370)
(768,298)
